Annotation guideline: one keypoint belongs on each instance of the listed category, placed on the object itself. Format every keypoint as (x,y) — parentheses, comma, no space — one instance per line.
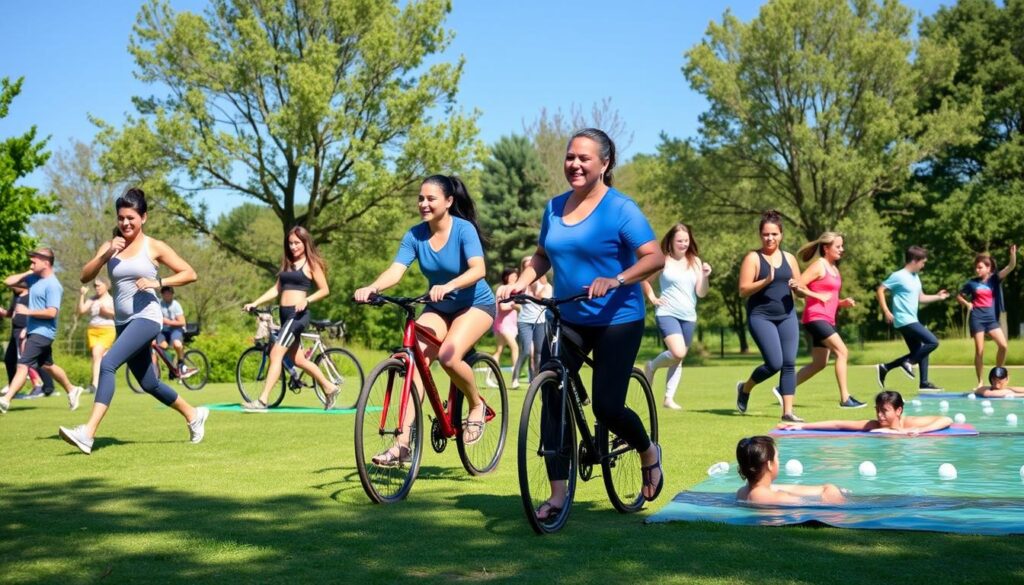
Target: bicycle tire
(620,463)
(374,433)
(483,457)
(533,460)
(251,372)
(133,383)
(341,367)
(196,360)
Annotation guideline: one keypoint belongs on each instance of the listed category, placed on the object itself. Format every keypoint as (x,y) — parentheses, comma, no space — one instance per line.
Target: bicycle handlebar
(549,303)
(378,300)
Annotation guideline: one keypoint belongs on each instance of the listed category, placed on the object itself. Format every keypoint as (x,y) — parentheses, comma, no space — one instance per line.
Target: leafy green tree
(512,201)
(323,110)
(19,156)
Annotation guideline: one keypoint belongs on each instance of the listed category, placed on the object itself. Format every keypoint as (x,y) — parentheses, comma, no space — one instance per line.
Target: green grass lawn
(275,499)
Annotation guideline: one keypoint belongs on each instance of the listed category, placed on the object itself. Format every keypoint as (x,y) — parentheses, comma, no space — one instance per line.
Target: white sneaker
(649,371)
(778,395)
(77,437)
(73,395)
(4,402)
(197,428)
(669,403)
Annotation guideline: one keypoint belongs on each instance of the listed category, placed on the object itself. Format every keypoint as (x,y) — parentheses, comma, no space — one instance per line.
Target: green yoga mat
(235,407)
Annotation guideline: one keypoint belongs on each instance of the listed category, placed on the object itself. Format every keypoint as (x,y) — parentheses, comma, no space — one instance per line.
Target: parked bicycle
(541,450)
(193,371)
(387,406)
(339,365)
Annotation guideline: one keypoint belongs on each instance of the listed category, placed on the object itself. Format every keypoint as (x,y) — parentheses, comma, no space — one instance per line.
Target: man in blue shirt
(44,295)
(907,294)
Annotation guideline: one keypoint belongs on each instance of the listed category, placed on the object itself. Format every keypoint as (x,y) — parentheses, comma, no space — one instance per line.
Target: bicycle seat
(191,331)
(321,324)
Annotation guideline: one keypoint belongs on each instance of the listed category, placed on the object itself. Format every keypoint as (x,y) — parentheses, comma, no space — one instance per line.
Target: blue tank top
(774,300)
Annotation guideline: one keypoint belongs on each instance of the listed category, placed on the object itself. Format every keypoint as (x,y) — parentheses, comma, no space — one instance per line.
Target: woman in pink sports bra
(505,327)
(819,318)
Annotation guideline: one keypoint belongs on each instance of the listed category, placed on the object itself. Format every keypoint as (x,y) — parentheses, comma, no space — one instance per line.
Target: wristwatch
(621,280)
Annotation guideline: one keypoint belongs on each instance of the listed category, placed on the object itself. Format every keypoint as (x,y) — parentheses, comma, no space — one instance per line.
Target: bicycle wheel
(197,370)
(620,464)
(133,383)
(483,456)
(342,368)
(251,373)
(377,431)
(540,452)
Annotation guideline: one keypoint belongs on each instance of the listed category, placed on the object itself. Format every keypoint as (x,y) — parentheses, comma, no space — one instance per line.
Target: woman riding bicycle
(302,267)
(597,239)
(448,246)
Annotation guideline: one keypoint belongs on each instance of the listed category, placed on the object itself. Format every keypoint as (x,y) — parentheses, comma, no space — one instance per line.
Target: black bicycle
(193,371)
(557,449)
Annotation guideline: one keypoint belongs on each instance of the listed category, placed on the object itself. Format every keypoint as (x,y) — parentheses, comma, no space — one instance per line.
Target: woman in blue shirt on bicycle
(598,241)
(448,246)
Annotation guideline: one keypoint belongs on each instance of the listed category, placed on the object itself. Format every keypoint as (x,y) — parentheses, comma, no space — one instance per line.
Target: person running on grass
(683,280)
(889,418)
(302,268)
(999,385)
(132,259)
(983,298)
(505,329)
(44,296)
(100,333)
(42,383)
(448,247)
(758,460)
(907,294)
(819,318)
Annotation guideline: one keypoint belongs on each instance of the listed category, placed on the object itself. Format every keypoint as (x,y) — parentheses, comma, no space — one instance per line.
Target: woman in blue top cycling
(983,298)
(598,241)
(448,246)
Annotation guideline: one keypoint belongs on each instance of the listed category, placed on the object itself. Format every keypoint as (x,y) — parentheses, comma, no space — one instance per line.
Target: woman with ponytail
(819,319)
(448,246)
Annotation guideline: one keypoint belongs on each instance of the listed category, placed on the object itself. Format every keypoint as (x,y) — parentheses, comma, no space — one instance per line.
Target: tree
(512,201)
(19,156)
(322,110)
(817,102)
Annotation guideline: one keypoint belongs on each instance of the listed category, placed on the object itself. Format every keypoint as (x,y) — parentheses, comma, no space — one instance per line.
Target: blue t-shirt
(43,293)
(450,261)
(985,294)
(906,294)
(603,244)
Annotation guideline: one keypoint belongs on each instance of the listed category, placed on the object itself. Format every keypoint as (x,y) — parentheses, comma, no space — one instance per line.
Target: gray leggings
(132,347)
(531,339)
(778,340)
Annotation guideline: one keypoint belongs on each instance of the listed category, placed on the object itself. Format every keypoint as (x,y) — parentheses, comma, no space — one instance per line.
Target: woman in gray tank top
(131,258)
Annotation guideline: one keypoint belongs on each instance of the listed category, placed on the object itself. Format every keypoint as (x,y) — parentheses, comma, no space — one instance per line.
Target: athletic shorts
(292,325)
(819,332)
(37,351)
(170,335)
(100,336)
(982,320)
(672,326)
(489,308)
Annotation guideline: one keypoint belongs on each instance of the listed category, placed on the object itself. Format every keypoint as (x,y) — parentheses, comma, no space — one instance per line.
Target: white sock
(662,360)
(675,374)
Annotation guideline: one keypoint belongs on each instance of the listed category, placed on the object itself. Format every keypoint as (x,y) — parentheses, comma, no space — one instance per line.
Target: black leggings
(778,340)
(614,350)
(921,342)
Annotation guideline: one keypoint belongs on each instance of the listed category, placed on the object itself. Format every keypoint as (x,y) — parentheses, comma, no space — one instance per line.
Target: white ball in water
(943,406)
(960,418)
(986,403)
(794,468)
(718,469)
(915,402)
(867,469)
(1011,419)
(972,396)
(947,471)
(988,410)
(1022,471)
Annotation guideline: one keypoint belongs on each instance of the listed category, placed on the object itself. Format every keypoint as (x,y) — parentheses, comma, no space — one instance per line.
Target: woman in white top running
(100,333)
(682,281)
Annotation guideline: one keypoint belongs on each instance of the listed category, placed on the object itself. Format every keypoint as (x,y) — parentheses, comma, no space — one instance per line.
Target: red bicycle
(389,424)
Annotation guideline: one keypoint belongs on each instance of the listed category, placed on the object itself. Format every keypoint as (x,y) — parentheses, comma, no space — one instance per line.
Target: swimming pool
(973,411)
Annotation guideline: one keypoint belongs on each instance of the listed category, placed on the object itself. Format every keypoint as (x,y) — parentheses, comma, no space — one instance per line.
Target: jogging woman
(598,241)
(819,319)
(682,281)
(302,267)
(132,259)
(100,333)
(982,296)
(448,246)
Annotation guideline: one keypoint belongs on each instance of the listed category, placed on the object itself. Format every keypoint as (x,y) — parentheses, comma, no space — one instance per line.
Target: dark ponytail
(607,148)
(132,198)
(753,454)
(462,204)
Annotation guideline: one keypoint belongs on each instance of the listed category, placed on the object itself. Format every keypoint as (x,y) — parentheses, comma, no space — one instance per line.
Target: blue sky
(521,56)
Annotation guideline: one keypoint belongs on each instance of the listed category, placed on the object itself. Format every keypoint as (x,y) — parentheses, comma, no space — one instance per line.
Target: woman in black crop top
(302,268)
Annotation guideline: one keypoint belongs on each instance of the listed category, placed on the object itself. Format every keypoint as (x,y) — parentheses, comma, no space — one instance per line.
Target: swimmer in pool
(758,460)
(889,419)
(999,385)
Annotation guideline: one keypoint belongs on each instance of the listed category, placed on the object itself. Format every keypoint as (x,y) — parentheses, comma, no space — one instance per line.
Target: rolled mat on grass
(235,407)
(955,430)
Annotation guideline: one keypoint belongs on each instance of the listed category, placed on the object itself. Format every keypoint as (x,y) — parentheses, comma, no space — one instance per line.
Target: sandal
(331,397)
(391,459)
(473,426)
(552,512)
(649,481)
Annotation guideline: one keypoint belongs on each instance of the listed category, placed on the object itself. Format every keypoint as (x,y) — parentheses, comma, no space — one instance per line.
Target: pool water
(973,411)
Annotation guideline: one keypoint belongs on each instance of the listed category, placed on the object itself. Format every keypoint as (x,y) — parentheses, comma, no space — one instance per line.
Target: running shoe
(331,397)
(78,437)
(880,373)
(5,403)
(90,389)
(73,395)
(490,381)
(778,395)
(197,428)
(741,398)
(852,402)
(908,369)
(926,385)
(671,404)
(36,392)
(792,418)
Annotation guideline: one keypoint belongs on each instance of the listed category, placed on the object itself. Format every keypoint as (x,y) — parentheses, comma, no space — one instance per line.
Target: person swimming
(889,419)
(758,460)
(999,385)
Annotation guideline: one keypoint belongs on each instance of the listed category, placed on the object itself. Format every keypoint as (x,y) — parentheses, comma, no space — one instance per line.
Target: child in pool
(889,419)
(999,380)
(758,460)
